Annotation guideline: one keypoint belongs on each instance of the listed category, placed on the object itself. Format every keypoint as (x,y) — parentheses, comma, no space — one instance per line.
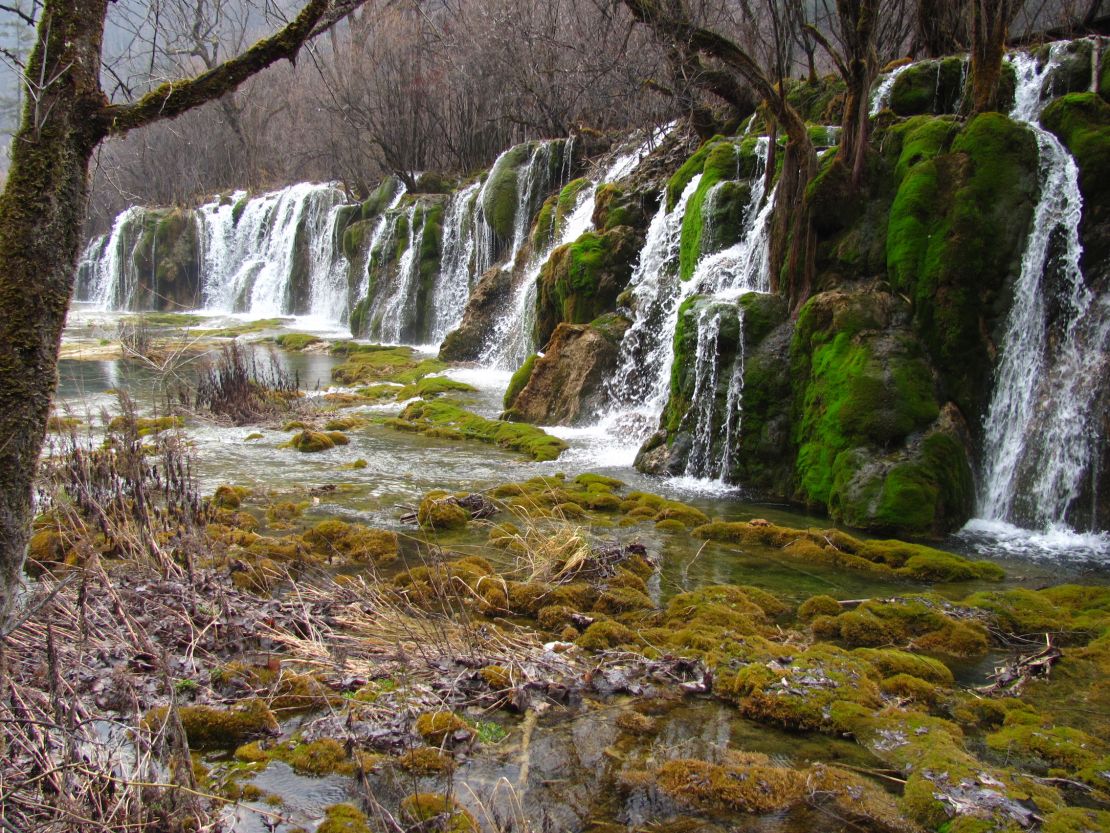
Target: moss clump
(441,514)
(890,663)
(424,417)
(606,634)
(750,784)
(838,549)
(622,600)
(497,677)
(229,497)
(499,192)
(446,813)
(334,538)
(211,728)
(934,87)
(344,818)
(1082,122)
(926,623)
(634,723)
(296,341)
(370,363)
(519,381)
(432,386)
(311,442)
(801,694)
(438,728)
(146,426)
(816,606)
(426,761)
(59,423)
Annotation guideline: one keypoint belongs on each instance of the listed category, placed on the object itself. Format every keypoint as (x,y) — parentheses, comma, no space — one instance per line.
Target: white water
(248,264)
(1038,432)
(880,99)
(512,339)
(640,388)
(107,269)
(463,261)
(382,227)
(393,307)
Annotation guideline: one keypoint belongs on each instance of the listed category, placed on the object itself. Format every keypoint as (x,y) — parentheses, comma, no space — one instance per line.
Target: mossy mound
(439,728)
(311,442)
(432,386)
(800,691)
(426,761)
(207,727)
(924,623)
(441,513)
(146,426)
(1082,122)
(581,280)
(325,756)
(344,818)
(929,87)
(296,341)
(452,422)
(369,363)
(333,539)
(836,548)
(438,812)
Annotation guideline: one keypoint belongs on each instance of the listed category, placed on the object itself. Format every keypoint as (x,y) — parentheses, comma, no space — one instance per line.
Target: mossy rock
(207,727)
(1082,122)
(344,818)
(441,514)
(438,812)
(425,417)
(296,341)
(499,192)
(439,728)
(519,381)
(929,87)
(581,280)
(311,442)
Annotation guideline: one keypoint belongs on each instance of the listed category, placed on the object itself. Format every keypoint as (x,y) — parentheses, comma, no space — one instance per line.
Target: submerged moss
(433,418)
(207,727)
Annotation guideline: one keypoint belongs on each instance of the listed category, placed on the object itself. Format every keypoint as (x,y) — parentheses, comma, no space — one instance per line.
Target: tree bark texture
(41,214)
(990,22)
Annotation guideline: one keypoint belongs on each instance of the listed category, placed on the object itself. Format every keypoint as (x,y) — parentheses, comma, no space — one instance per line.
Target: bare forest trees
(67,114)
(990,24)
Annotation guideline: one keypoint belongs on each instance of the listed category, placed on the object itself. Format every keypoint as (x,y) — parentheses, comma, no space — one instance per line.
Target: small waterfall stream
(464,260)
(1038,445)
(640,388)
(107,275)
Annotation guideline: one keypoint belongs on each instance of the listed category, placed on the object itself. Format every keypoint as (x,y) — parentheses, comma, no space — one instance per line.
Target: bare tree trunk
(41,213)
(990,22)
(941,27)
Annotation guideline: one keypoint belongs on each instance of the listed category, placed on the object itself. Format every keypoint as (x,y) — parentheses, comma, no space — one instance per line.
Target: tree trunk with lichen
(990,23)
(42,212)
(41,215)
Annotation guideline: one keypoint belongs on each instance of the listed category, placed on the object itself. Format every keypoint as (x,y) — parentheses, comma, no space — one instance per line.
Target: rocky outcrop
(565,385)
(489,296)
(167,262)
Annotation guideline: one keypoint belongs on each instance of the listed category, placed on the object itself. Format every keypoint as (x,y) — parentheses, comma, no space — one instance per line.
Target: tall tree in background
(65,116)
(990,23)
(941,27)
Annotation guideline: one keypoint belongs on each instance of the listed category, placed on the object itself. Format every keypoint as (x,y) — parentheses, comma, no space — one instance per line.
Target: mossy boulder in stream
(447,421)
(932,87)
(467,342)
(566,385)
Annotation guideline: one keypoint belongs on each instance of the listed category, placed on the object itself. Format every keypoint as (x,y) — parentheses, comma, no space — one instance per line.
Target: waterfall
(107,275)
(257,255)
(711,449)
(1038,432)
(880,99)
(392,310)
(641,386)
(463,261)
(511,342)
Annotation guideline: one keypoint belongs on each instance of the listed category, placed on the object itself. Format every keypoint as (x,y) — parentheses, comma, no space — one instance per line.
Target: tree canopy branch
(176,97)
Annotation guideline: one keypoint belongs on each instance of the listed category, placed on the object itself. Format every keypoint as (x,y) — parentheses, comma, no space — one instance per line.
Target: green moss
(441,514)
(426,761)
(891,662)
(310,442)
(424,416)
(437,728)
(432,386)
(245,328)
(381,197)
(367,364)
(519,381)
(933,87)
(446,813)
(1082,122)
(606,634)
(296,341)
(334,538)
(499,193)
(207,727)
(956,233)
(344,818)
(229,497)
(146,426)
(816,606)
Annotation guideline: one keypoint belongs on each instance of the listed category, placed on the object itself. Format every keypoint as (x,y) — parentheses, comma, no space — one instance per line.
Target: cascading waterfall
(511,342)
(391,312)
(257,258)
(641,386)
(1038,433)
(107,275)
(707,459)
(880,99)
(463,260)
(382,227)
